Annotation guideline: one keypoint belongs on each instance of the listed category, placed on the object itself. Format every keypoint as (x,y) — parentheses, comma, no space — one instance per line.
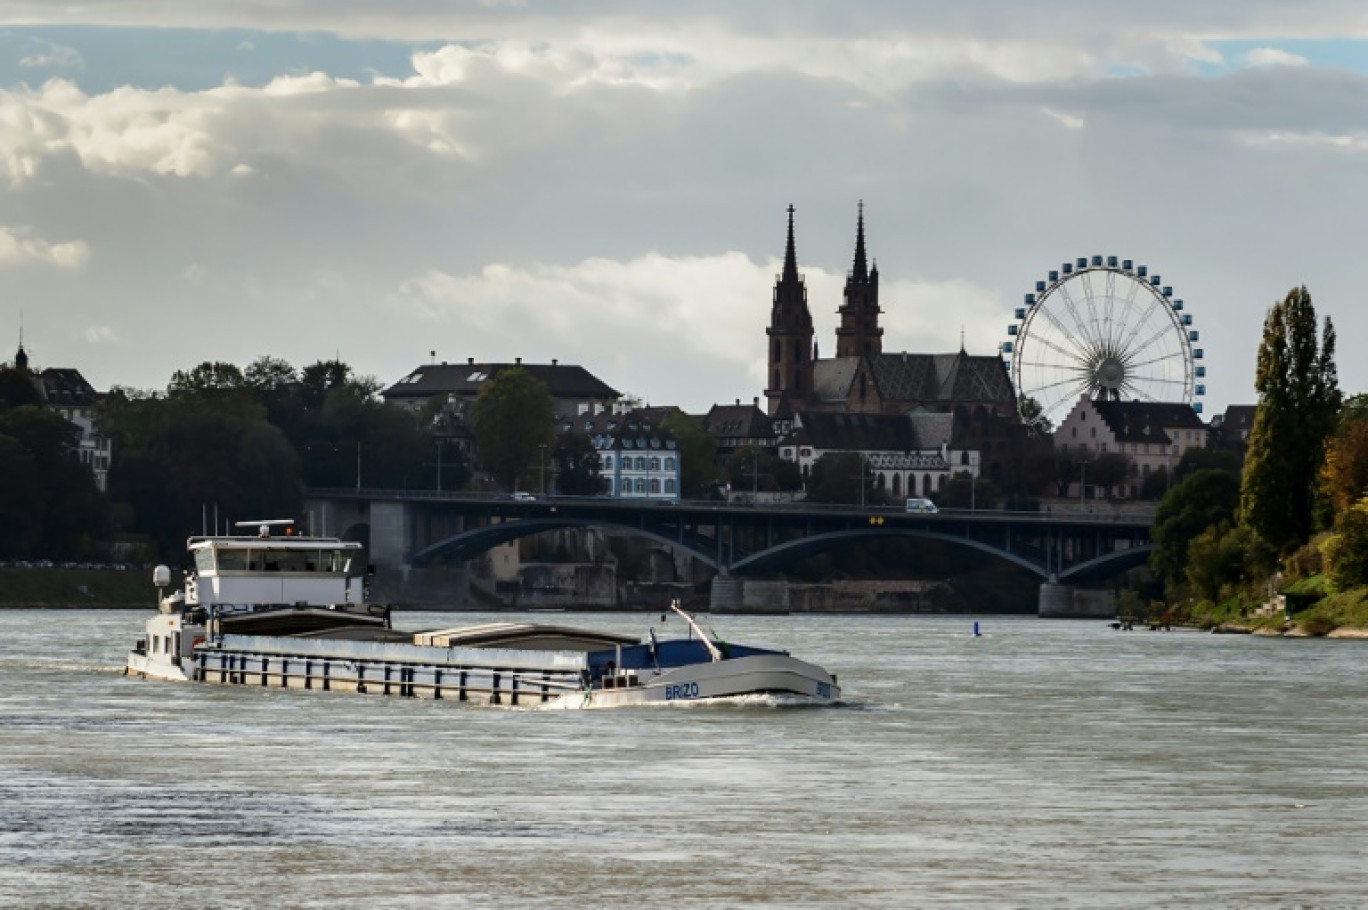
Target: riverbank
(1305,610)
(80,588)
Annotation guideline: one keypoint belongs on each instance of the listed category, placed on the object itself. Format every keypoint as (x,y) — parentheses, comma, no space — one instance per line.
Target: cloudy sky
(606,182)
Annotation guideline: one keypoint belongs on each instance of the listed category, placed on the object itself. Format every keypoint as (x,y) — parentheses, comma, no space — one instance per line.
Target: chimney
(517,360)
(554,361)
(470,361)
(738,401)
(756,401)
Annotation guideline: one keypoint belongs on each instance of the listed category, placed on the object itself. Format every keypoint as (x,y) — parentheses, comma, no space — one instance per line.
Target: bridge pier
(724,595)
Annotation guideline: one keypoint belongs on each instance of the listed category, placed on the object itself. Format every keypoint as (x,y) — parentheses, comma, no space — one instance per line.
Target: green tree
(756,469)
(514,418)
(836,478)
(577,466)
(1220,558)
(1346,552)
(1299,399)
(1203,499)
(964,491)
(49,505)
(17,388)
(697,455)
(207,377)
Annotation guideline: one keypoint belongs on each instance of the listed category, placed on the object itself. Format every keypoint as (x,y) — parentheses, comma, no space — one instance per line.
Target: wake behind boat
(280,610)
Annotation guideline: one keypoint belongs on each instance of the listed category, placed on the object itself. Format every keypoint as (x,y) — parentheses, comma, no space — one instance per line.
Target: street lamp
(1082,480)
(541,467)
(439,466)
(358,466)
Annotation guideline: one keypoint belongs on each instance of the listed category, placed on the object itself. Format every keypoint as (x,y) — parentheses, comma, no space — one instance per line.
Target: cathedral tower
(790,334)
(859,331)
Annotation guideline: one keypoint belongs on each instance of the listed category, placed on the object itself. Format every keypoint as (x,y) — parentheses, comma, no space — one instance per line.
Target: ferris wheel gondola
(1107,329)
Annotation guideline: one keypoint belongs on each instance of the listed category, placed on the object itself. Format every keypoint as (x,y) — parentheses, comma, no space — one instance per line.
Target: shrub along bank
(60,587)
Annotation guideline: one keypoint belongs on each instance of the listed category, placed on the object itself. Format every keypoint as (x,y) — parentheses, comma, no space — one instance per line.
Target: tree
(964,491)
(17,388)
(836,477)
(1346,551)
(1109,470)
(1299,399)
(697,455)
(755,468)
(1030,410)
(47,495)
(1221,557)
(1201,500)
(1344,476)
(207,377)
(577,466)
(514,418)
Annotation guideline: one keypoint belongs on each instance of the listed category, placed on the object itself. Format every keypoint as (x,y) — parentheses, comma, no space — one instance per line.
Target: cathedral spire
(790,256)
(790,334)
(861,272)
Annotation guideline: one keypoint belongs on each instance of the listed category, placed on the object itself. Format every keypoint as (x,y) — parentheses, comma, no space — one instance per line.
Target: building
(66,392)
(739,426)
(975,391)
(1152,435)
(638,458)
(901,462)
(574,390)
(1230,431)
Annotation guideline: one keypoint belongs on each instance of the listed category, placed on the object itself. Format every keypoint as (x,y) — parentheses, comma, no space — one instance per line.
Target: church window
(778,352)
(964,458)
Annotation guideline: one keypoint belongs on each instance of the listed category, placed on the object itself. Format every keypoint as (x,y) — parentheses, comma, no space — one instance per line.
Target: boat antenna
(712,649)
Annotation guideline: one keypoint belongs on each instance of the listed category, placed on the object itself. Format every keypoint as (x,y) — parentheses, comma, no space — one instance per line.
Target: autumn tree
(1344,476)
(514,418)
(1299,399)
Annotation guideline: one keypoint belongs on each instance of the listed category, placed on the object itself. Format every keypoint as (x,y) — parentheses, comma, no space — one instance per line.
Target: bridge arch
(471,543)
(1107,565)
(818,543)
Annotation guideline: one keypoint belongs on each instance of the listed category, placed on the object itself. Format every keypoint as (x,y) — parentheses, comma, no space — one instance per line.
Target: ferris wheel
(1106,329)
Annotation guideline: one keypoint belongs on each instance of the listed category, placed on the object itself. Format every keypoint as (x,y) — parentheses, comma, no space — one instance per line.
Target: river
(1045,764)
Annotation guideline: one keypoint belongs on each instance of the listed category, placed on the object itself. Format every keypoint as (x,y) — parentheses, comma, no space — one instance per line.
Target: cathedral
(918,417)
(862,378)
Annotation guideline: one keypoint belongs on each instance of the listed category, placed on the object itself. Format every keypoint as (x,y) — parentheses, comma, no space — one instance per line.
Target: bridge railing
(1072,511)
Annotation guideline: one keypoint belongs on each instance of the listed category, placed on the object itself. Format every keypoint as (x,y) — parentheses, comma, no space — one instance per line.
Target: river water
(1045,764)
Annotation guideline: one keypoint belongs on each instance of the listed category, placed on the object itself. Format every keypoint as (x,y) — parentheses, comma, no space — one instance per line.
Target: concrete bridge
(1079,546)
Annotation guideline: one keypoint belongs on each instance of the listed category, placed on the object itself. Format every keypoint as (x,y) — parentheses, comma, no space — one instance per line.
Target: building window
(655,463)
(670,487)
(607,462)
(669,464)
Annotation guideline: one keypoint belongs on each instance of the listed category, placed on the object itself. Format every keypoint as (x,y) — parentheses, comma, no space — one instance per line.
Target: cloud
(1272,56)
(52,56)
(19,246)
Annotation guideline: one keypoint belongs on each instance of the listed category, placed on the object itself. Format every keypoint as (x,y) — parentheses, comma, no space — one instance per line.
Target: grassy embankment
(76,588)
(1313,611)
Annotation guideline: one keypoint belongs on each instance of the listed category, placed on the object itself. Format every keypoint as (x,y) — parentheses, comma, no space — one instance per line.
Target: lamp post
(358,466)
(439,466)
(1082,480)
(541,467)
(862,486)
